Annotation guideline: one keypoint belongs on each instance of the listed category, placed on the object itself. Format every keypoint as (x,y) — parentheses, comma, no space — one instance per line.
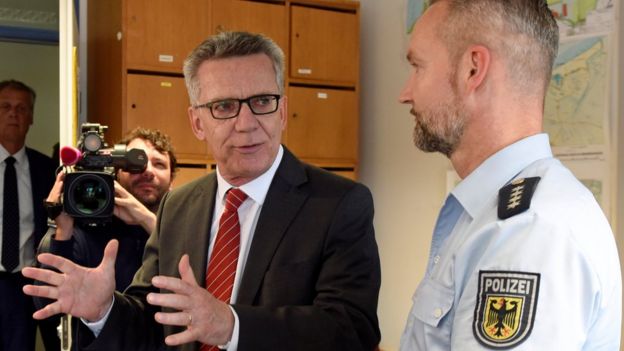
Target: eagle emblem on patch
(505,308)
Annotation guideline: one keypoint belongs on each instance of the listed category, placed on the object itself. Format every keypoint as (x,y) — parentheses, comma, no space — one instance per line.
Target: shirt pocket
(432,302)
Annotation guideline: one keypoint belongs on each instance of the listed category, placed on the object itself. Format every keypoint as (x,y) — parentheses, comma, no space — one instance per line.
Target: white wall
(408,185)
(37,66)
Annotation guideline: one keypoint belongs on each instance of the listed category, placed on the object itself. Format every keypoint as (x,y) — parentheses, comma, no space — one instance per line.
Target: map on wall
(578,17)
(594,174)
(415,8)
(574,17)
(576,111)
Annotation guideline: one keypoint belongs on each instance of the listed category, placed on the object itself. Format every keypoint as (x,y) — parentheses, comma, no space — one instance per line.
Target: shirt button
(436,259)
(437,312)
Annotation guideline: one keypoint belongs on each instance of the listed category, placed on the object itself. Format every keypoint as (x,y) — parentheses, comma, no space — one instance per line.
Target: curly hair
(160,140)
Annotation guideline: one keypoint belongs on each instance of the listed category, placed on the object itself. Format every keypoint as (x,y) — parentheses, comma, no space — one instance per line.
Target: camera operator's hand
(207,319)
(82,292)
(131,210)
(64,222)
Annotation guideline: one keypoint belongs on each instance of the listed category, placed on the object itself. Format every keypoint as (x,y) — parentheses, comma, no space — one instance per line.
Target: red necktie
(224,257)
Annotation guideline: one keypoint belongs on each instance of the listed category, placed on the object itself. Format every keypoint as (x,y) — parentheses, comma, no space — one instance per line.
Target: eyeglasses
(230,108)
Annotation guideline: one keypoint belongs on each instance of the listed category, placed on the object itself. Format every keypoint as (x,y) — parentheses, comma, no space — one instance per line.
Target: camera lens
(92,142)
(90,195)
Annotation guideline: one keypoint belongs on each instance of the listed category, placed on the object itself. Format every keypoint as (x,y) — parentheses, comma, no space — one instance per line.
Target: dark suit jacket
(312,276)
(42,178)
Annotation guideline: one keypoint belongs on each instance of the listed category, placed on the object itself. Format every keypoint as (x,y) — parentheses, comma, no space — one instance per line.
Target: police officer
(522,256)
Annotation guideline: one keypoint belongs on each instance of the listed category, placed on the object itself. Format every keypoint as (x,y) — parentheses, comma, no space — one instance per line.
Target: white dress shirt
(248,214)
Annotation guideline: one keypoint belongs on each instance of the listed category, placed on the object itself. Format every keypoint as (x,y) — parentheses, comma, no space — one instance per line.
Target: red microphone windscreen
(70,155)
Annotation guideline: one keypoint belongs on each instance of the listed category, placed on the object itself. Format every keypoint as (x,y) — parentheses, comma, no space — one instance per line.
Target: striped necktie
(224,258)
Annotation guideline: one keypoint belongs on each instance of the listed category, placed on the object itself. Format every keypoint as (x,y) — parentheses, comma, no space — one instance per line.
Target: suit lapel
(38,194)
(198,234)
(280,207)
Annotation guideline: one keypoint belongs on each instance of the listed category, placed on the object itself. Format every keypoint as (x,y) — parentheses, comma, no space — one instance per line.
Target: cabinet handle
(133,105)
(294,115)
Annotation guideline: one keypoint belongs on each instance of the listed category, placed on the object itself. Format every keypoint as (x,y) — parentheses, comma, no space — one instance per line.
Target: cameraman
(137,197)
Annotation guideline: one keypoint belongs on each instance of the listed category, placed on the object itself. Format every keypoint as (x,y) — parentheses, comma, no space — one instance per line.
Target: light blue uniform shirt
(544,279)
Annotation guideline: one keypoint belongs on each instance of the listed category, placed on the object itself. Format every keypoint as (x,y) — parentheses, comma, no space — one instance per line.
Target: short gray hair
(20,86)
(524,32)
(231,44)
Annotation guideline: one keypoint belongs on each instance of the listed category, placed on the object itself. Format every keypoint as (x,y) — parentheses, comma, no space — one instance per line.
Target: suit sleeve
(342,314)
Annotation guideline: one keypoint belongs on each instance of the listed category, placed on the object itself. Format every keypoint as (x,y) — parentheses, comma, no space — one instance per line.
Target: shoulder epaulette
(515,197)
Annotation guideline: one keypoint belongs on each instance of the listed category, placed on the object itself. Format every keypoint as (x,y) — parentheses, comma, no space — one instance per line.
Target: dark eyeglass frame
(240,102)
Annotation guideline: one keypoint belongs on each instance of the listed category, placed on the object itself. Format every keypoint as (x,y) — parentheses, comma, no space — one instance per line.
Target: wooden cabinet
(186,173)
(323,117)
(158,102)
(159,34)
(258,17)
(321,124)
(324,45)
(136,49)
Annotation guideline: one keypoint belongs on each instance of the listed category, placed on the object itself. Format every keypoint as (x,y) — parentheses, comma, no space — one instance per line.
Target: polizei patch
(505,308)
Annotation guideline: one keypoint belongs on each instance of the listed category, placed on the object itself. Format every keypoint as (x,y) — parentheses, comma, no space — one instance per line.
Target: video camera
(88,191)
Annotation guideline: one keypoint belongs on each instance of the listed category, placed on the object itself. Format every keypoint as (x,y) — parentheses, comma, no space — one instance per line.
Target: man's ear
(476,65)
(196,123)
(284,111)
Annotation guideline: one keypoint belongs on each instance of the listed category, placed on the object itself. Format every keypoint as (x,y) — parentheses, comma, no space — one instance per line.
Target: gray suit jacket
(312,276)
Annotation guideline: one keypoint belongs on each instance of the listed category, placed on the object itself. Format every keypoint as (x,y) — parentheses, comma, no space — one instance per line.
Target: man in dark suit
(299,269)
(34,175)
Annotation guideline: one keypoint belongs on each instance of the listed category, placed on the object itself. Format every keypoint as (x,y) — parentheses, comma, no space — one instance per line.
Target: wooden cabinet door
(185,174)
(347,174)
(157,102)
(322,124)
(256,17)
(161,33)
(324,45)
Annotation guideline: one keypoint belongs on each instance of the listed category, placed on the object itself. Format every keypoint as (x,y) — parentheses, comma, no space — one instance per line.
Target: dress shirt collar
(256,189)
(20,155)
(496,171)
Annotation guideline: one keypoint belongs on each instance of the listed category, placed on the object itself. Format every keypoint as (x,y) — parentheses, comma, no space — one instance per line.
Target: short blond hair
(524,32)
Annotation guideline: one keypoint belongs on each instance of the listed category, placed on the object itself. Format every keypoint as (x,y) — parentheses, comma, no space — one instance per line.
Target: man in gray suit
(299,269)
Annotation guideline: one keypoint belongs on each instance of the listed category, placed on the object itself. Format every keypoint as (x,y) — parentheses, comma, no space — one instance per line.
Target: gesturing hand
(208,320)
(82,292)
